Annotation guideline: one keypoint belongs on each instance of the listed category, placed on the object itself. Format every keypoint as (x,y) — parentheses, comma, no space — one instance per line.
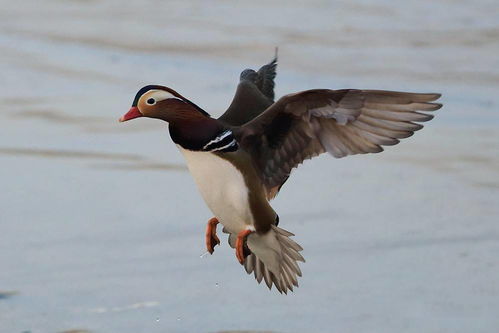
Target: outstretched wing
(341,122)
(254,94)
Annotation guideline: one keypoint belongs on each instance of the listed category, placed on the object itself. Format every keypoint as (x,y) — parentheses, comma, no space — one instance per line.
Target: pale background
(101,227)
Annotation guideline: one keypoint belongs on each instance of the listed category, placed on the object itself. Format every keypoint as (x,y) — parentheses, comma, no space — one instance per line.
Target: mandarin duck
(241,160)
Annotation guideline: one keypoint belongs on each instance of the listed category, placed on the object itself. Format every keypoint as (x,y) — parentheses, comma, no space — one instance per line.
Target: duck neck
(194,131)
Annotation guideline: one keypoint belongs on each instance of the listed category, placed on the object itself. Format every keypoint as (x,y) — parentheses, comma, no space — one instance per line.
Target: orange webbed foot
(241,238)
(211,237)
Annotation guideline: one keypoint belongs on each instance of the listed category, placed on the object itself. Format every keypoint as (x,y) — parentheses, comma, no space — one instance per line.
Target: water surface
(101,227)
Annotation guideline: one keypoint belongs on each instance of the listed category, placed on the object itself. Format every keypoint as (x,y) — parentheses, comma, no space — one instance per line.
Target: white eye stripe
(158,95)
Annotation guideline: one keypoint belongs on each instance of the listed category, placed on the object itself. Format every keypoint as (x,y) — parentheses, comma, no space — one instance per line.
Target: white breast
(223,188)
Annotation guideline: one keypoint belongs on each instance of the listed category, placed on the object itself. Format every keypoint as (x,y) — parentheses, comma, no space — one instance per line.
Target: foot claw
(211,237)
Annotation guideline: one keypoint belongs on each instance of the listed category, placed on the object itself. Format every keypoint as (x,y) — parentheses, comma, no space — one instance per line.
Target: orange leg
(241,237)
(211,237)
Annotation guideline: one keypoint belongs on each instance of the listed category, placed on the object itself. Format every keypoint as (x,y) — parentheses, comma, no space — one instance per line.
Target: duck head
(163,103)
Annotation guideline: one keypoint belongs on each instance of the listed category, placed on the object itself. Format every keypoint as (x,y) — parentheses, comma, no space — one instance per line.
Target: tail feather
(274,259)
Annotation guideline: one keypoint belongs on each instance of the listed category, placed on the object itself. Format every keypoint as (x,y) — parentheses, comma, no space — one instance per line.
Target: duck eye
(151,101)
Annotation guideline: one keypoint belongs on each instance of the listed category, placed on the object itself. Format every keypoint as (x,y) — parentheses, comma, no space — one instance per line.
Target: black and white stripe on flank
(224,142)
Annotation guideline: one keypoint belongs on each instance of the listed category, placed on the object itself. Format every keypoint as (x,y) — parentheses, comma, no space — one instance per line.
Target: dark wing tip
(276,56)
(428,97)
(437,106)
(436,95)
(427,118)
(268,71)
(266,76)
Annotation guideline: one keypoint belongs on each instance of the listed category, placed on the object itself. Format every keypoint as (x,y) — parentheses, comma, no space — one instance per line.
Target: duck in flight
(241,160)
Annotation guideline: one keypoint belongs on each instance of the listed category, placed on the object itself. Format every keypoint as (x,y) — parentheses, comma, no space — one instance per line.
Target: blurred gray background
(102,228)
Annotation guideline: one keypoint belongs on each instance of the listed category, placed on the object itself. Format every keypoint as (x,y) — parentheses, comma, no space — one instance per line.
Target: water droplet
(157,319)
(216,284)
(178,318)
